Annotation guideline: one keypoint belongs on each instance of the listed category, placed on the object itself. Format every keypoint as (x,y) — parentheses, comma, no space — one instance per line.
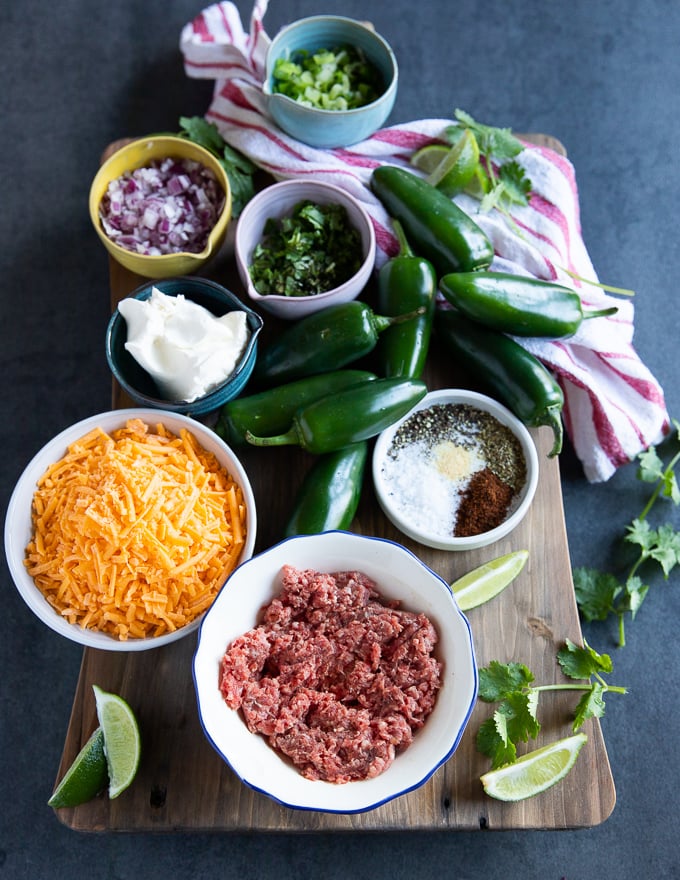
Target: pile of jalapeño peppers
(310,394)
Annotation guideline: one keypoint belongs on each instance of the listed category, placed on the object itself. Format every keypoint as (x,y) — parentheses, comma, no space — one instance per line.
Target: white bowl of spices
(458,472)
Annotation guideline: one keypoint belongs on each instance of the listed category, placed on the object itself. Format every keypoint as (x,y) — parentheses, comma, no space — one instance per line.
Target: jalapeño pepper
(271,411)
(435,226)
(325,341)
(330,493)
(349,416)
(518,305)
(514,375)
(406,282)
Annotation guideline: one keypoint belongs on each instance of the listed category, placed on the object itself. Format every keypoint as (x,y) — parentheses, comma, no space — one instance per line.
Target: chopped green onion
(328,79)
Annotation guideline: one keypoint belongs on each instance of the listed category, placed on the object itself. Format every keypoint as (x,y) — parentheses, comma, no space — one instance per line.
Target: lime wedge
(86,776)
(456,166)
(122,744)
(534,772)
(488,580)
(427,158)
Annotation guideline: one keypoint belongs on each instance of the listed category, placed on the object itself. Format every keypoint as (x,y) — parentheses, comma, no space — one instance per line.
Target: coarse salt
(427,489)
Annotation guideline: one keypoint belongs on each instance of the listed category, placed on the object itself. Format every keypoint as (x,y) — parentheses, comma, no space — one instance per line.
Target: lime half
(488,580)
(534,772)
(86,776)
(122,743)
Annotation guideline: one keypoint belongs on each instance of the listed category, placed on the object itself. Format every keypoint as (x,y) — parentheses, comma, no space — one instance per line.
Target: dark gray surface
(604,77)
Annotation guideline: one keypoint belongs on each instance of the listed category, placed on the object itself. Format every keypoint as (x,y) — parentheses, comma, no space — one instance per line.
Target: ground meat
(337,679)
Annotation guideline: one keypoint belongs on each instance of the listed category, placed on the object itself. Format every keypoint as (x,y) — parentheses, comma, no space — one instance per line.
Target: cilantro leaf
(516,185)
(633,596)
(202,132)
(596,593)
(666,550)
(491,743)
(239,169)
(497,142)
(651,467)
(582,661)
(591,705)
(662,544)
(499,680)
(641,533)
(517,714)
(513,721)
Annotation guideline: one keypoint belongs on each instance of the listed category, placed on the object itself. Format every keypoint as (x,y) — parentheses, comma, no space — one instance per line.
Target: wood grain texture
(182,784)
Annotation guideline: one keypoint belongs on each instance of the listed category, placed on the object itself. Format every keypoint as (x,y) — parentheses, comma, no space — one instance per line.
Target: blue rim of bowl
(210,401)
(431,771)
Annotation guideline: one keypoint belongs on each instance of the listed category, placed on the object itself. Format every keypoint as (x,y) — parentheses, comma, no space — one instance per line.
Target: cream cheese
(186,349)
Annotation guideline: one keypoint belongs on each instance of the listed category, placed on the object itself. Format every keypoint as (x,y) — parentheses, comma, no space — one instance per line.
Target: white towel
(614,407)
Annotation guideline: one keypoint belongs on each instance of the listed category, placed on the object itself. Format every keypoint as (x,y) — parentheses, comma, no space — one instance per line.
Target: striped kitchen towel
(614,407)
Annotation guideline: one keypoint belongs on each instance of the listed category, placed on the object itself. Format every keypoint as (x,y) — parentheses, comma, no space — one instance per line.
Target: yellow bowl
(135,155)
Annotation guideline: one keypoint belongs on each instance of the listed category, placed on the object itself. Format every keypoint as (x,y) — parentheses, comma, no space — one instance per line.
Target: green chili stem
(291,437)
(599,313)
(404,247)
(382,322)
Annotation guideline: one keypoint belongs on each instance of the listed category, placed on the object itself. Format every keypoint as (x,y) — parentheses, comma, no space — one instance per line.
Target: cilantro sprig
(511,685)
(601,595)
(239,169)
(500,181)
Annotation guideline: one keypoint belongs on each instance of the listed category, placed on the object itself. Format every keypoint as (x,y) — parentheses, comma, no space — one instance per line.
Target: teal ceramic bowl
(139,385)
(331,128)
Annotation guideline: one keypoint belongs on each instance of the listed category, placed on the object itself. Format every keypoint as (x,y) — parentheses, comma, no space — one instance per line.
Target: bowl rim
(360,796)
(320,112)
(143,292)
(208,158)
(291,184)
(506,417)
(19,512)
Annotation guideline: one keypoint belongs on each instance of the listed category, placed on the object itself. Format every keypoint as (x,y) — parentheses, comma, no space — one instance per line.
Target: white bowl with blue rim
(399,575)
(330,128)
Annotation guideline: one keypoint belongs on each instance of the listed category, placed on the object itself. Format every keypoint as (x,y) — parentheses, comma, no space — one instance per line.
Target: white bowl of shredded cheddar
(123,528)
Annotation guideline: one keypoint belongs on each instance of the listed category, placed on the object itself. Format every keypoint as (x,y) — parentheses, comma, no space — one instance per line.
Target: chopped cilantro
(313,250)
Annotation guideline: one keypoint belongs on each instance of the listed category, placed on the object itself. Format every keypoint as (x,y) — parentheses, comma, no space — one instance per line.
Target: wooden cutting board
(182,783)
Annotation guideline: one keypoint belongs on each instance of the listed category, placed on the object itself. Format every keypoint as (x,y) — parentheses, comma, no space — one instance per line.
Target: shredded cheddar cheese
(134,532)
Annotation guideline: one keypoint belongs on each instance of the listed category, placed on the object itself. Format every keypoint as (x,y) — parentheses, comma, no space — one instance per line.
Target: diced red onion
(168,206)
